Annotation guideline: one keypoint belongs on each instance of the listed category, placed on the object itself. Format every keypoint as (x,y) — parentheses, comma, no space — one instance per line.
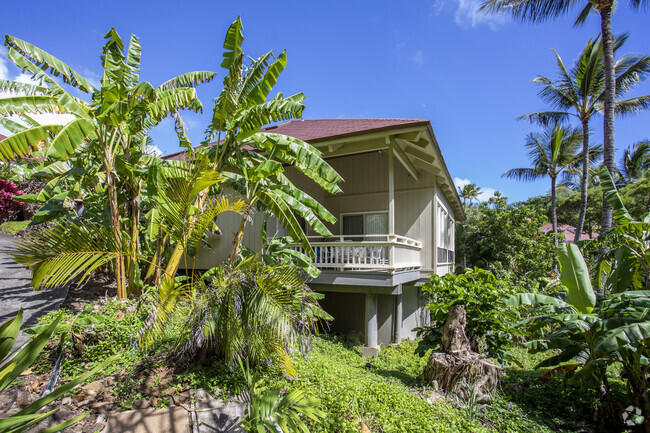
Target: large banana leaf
(189,79)
(72,104)
(532,299)
(275,110)
(260,92)
(232,44)
(35,104)
(624,269)
(621,215)
(575,278)
(301,155)
(45,61)
(20,88)
(70,137)
(20,145)
(11,125)
(630,335)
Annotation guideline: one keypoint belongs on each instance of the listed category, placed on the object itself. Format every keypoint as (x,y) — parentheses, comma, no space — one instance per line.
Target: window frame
(445,244)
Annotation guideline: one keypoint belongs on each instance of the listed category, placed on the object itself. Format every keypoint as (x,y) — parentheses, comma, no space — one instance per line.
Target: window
(364,224)
(445,235)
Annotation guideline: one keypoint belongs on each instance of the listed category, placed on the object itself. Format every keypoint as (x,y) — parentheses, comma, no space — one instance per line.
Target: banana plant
(254,161)
(624,262)
(592,332)
(109,129)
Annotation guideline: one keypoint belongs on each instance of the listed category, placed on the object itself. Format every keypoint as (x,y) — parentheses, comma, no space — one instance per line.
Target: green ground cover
(385,392)
(13,227)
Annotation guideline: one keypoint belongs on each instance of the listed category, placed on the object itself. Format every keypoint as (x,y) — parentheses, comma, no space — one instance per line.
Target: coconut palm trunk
(584,182)
(605,9)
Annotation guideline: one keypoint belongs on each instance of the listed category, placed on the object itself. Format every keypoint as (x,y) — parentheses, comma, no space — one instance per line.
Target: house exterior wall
(220,246)
(365,189)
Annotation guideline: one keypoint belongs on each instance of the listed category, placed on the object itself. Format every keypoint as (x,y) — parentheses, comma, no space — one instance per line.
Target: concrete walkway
(16,291)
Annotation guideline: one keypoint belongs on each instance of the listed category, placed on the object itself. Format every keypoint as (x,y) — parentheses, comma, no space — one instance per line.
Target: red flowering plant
(9,207)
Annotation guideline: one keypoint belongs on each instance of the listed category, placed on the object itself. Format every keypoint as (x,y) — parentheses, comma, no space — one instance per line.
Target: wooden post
(371,320)
(391,190)
(391,202)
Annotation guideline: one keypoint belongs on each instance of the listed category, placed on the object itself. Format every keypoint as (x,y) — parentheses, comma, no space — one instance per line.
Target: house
(568,231)
(395,224)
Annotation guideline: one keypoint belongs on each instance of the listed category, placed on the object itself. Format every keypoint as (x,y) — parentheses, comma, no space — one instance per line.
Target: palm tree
(541,10)
(635,162)
(469,192)
(552,153)
(580,92)
(111,129)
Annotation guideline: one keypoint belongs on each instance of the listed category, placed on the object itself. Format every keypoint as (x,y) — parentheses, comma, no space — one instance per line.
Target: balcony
(382,253)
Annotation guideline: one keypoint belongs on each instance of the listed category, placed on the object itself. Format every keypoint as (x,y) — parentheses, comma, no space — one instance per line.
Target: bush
(488,318)
(250,311)
(9,208)
(505,239)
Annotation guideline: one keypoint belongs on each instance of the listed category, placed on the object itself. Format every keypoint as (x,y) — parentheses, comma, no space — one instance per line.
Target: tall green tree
(109,129)
(541,10)
(580,92)
(635,162)
(469,193)
(552,153)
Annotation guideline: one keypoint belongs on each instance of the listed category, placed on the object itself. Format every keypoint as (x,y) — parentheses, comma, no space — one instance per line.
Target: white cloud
(486,192)
(4,70)
(153,150)
(418,58)
(466,13)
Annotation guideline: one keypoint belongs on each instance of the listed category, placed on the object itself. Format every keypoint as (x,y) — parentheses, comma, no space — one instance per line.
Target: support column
(391,203)
(371,326)
(398,318)
(391,189)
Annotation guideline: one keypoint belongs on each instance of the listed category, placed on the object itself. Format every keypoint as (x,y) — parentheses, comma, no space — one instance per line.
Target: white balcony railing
(388,253)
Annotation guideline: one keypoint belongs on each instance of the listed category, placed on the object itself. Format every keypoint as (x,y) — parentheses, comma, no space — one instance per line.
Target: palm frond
(66,251)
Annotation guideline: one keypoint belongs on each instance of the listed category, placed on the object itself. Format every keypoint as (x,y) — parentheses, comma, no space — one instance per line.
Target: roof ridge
(362,118)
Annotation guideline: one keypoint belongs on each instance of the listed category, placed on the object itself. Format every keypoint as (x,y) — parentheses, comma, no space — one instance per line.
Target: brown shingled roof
(2,137)
(317,130)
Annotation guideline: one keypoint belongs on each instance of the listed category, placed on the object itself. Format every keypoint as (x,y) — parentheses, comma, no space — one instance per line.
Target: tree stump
(456,368)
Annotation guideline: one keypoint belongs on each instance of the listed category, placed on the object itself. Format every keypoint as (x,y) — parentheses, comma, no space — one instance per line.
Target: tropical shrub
(488,317)
(250,311)
(594,332)
(9,207)
(267,411)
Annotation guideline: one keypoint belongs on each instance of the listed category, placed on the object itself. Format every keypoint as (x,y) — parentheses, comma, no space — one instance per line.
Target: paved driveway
(16,292)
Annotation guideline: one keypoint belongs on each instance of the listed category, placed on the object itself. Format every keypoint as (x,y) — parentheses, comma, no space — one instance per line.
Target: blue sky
(469,74)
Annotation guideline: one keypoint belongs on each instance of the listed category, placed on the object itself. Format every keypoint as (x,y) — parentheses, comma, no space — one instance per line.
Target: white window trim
(452,227)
